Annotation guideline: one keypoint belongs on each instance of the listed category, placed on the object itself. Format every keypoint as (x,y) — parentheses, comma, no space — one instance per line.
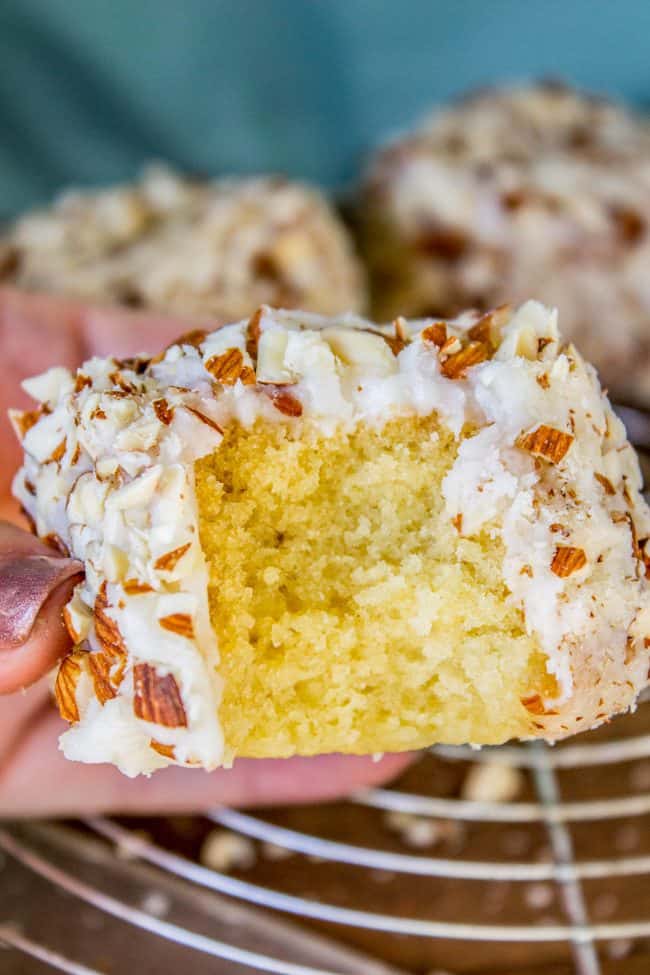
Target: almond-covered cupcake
(519,192)
(305,534)
(195,249)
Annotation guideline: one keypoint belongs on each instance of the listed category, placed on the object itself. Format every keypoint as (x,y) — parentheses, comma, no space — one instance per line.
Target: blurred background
(89,89)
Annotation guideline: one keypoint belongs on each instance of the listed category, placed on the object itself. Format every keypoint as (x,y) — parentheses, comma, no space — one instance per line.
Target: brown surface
(621,899)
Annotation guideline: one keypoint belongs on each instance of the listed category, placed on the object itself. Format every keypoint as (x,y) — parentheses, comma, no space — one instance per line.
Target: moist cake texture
(305,534)
(521,192)
(191,248)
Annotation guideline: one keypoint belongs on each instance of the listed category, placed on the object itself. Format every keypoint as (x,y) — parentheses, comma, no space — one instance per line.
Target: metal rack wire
(105,875)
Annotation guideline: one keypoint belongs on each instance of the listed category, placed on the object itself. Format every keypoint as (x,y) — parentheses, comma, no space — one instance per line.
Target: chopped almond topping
(166,750)
(76,455)
(487,327)
(456,365)
(542,343)
(69,625)
(29,487)
(195,337)
(56,542)
(457,522)
(133,587)
(533,703)
(24,420)
(546,442)
(253,334)
(81,381)
(605,483)
(59,451)
(451,345)
(568,560)
(65,687)
(228,367)
(168,561)
(163,411)
(630,650)
(106,629)
(118,380)
(100,665)
(179,623)
(157,698)
(97,414)
(526,570)
(543,380)
(436,334)
(204,419)
(284,401)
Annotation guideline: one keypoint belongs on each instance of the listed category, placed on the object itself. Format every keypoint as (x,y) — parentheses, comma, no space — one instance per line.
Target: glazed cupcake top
(542,463)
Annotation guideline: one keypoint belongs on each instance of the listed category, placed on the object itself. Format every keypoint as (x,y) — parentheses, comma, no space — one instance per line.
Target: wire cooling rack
(562,873)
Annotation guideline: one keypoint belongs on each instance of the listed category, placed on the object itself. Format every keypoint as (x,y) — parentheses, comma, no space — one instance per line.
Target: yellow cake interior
(351,615)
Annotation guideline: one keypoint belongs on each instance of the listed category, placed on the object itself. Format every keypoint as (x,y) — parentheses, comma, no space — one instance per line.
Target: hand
(36,582)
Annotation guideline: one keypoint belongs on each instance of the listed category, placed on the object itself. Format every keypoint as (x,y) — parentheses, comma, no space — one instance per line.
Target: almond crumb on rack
(492,782)
(546,442)
(223,850)
(568,560)
(157,698)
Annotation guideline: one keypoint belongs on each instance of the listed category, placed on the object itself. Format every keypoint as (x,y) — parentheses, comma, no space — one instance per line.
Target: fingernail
(26,582)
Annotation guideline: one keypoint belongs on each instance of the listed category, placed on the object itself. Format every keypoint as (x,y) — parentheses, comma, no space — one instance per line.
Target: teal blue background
(89,89)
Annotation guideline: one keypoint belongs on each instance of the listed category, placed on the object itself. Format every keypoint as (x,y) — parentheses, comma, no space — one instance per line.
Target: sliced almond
(546,442)
(65,687)
(157,698)
(271,367)
(81,382)
(457,365)
(24,420)
(167,751)
(106,629)
(204,419)
(284,401)
(435,334)
(543,380)
(534,703)
(605,483)
(568,560)
(100,666)
(360,348)
(168,561)
(163,411)
(133,587)
(58,451)
(488,327)
(253,331)
(56,542)
(227,367)
(179,623)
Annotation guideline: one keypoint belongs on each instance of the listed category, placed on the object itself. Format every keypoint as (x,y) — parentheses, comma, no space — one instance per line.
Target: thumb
(35,584)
